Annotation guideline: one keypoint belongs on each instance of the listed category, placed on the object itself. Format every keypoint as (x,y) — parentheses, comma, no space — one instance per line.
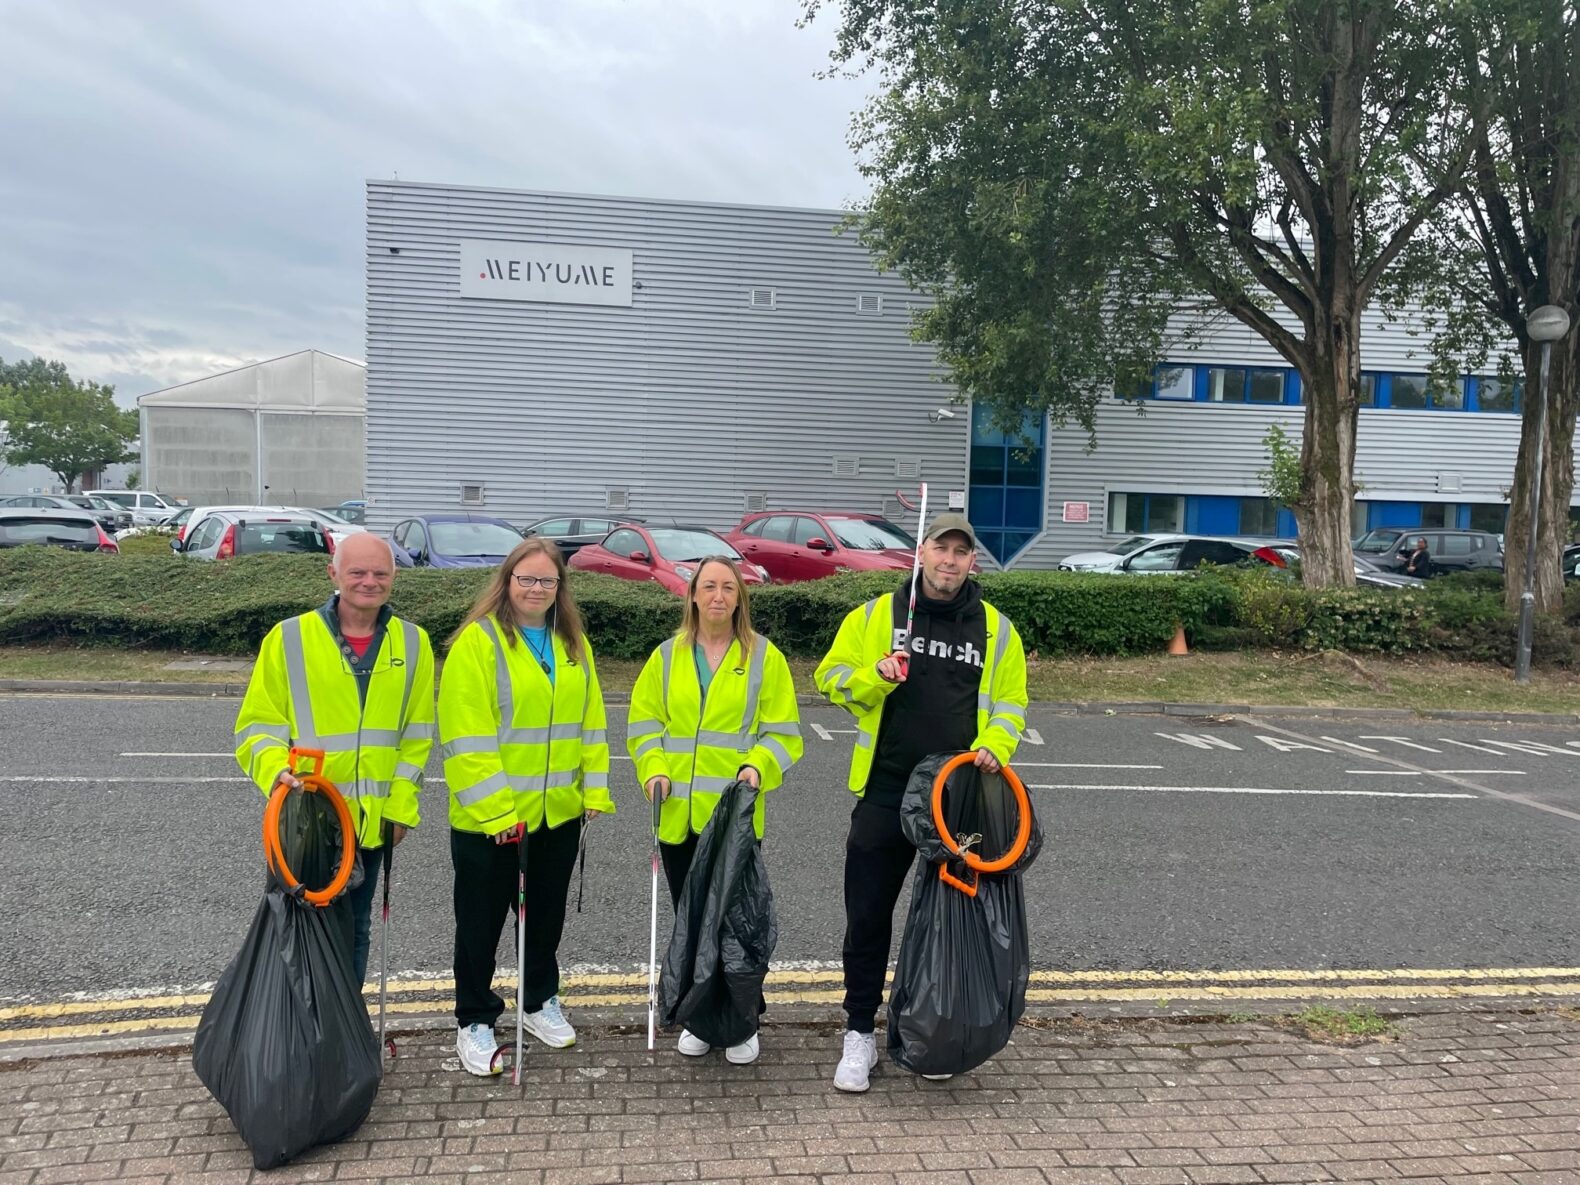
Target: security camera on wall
(943,413)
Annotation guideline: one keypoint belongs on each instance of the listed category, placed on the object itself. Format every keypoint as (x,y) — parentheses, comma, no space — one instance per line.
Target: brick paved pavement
(1492,1098)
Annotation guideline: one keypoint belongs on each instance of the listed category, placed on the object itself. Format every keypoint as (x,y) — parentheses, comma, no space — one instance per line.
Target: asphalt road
(131,856)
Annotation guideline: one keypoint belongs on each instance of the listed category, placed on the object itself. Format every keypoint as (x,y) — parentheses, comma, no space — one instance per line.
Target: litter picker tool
(387,858)
(904,654)
(521,950)
(652,938)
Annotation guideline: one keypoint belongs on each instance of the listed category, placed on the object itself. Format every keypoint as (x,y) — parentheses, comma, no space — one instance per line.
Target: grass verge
(1351,1026)
(1322,680)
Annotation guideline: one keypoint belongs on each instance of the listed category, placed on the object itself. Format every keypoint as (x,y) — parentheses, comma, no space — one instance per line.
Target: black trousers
(878,858)
(485,893)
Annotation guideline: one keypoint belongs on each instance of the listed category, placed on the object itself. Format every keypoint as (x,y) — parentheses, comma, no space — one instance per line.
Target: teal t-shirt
(541,644)
(704,672)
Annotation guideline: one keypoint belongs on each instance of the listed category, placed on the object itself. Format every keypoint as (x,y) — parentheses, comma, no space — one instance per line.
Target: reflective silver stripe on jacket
(418,731)
(595,736)
(638,728)
(411,773)
(307,734)
(647,746)
(369,788)
(490,785)
(701,785)
(595,781)
(502,689)
(840,676)
(870,607)
(780,753)
(409,640)
(276,732)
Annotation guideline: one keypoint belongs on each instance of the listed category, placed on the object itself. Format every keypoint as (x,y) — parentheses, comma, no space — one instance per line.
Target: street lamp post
(1545,325)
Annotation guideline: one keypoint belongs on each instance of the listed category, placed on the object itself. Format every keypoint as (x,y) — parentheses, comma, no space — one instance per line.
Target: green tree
(1281,479)
(69,427)
(1057,174)
(1508,243)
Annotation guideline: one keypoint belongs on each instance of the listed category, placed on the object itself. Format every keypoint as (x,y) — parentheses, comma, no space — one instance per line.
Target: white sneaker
(938,1077)
(743,1054)
(549,1025)
(861,1054)
(692,1046)
(476,1045)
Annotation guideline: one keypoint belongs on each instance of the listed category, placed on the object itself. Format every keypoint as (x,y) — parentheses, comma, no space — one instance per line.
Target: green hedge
(165,602)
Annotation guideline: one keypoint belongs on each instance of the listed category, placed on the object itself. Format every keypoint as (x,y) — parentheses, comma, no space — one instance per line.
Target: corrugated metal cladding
(691,400)
(752,368)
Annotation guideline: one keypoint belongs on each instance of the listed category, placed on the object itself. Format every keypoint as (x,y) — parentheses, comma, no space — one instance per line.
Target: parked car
(109,516)
(1367,574)
(571,533)
(355,511)
(1164,553)
(189,518)
(74,529)
(667,556)
(453,541)
(1452,551)
(226,534)
(808,545)
(148,508)
(1571,562)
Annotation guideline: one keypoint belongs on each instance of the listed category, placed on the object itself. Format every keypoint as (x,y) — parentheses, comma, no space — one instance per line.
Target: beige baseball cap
(951,521)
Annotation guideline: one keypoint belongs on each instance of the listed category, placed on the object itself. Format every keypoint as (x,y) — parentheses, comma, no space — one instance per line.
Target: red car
(665,555)
(807,545)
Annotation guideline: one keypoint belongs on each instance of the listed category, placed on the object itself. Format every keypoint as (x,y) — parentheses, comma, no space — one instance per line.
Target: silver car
(226,534)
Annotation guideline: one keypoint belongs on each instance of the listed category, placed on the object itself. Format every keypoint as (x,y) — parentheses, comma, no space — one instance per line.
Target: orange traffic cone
(1177,643)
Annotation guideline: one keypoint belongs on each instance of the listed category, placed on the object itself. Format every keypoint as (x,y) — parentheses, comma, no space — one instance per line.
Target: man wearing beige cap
(956,681)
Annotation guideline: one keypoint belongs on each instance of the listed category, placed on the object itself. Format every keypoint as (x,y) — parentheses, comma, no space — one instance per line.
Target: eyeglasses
(549,583)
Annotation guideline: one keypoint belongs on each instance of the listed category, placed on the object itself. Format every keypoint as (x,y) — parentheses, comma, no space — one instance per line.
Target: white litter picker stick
(904,654)
(652,940)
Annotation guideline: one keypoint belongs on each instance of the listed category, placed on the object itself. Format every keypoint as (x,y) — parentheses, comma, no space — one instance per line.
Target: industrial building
(533,353)
(289,430)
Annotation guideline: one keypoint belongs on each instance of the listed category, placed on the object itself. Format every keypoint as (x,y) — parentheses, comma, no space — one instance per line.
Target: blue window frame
(1006,484)
(1182,382)
(1489,393)
(1412,392)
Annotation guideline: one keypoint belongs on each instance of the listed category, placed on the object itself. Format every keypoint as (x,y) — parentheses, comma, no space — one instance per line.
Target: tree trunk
(1331,378)
(1558,460)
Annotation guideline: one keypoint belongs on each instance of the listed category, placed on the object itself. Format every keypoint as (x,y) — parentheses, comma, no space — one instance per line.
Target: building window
(1006,483)
(1409,390)
(1440,514)
(1488,516)
(1175,382)
(1237,384)
(1258,516)
(1414,392)
(1368,390)
(1265,386)
(1132,513)
(1493,394)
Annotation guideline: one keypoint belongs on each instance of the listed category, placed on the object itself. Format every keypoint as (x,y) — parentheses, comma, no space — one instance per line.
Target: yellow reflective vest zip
(848,678)
(749,717)
(518,748)
(303,694)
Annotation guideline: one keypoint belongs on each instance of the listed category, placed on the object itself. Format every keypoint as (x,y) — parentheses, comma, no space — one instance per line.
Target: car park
(148,509)
(1109,559)
(226,534)
(572,532)
(1451,550)
(1286,554)
(189,518)
(668,555)
(109,516)
(74,529)
(452,541)
(793,545)
(1164,553)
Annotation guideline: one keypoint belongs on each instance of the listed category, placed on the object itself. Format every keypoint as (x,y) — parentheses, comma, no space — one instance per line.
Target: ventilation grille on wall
(892,509)
(756,502)
(1448,483)
(870,303)
(847,466)
(617,498)
(908,470)
(471,493)
(762,298)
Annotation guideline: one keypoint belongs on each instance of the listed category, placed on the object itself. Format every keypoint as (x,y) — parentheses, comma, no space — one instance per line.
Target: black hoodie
(935,709)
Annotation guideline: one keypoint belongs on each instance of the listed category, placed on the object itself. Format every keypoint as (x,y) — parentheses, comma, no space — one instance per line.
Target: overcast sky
(183,189)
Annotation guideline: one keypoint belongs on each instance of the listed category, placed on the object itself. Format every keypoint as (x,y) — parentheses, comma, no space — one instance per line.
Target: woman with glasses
(521,731)
(714,704)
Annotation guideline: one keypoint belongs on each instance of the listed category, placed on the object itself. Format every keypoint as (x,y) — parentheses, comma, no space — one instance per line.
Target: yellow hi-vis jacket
(303,694)
(848,678)
(517,748)
(749,718)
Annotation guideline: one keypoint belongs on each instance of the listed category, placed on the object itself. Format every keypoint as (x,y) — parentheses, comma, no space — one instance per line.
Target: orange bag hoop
(974,862)
(313,783)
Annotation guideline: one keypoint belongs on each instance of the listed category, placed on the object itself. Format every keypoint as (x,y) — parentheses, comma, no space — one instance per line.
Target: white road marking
(1477,748)
(1032,736)
(1348,744)
(1289,746)
(1199,741)
(1516,773)
(1485,791)
(1531,748)
(1387,773)
(1401,741)
(231,755)
(1076,765)
(820,730)
(1252,790)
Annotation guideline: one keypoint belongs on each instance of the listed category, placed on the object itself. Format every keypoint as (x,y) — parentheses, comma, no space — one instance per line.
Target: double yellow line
(77,1019)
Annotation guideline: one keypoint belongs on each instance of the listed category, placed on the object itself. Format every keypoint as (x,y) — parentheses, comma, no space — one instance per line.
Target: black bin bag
(725,930)
(285,1044)
(960,983)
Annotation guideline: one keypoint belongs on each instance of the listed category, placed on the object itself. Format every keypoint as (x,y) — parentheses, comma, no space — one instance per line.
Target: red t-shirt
(359,646)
